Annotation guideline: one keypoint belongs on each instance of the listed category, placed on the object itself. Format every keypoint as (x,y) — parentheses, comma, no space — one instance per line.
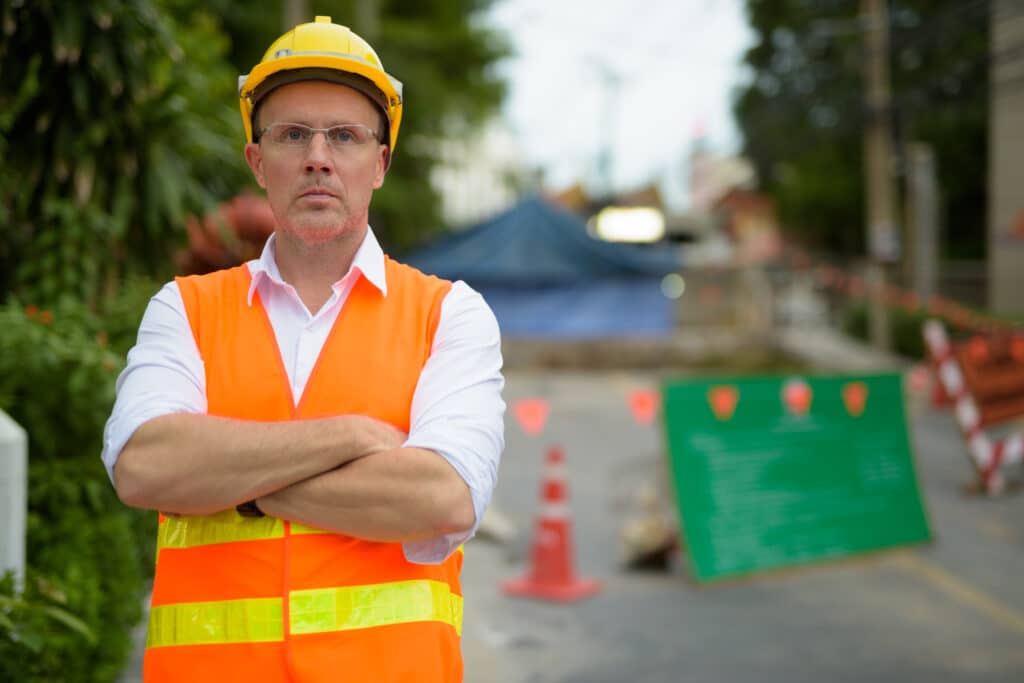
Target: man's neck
(312,269)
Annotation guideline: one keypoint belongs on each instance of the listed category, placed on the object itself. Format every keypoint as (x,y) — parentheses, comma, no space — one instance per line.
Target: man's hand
(379,435)
(393,496)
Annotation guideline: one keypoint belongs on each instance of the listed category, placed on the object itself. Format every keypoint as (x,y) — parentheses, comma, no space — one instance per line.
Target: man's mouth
(317,193)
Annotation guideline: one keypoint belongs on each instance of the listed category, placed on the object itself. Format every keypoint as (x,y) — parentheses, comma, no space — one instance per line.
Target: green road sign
(772,471)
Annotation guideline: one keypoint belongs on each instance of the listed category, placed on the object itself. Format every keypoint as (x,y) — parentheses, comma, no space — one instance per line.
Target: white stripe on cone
(556,511)
(556,471)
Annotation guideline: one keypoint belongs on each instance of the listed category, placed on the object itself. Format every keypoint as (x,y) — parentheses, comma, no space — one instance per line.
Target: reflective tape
(223,527)
(321,610)
(324,610)
(254,620)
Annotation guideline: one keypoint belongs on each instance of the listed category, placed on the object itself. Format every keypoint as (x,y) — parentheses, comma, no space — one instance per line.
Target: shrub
(88,556)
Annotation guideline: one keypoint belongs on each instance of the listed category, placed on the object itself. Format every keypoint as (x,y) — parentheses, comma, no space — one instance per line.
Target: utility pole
(367,19)
(923,219)
(295,12)
(882,234)
(1006,159)
(611,81)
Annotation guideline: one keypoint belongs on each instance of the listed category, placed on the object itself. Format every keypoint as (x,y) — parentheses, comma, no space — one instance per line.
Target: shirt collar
(369,261)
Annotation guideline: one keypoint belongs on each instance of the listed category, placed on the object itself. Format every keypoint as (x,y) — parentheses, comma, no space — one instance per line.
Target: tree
(444,58)
(802,112)
(112,131)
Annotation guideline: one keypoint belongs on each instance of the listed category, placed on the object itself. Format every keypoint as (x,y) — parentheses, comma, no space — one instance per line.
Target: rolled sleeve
(457,408)
(164,374)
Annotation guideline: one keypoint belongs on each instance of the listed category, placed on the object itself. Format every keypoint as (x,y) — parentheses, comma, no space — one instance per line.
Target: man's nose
(318,154)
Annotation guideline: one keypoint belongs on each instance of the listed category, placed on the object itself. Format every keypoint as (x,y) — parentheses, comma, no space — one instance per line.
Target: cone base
(577,589)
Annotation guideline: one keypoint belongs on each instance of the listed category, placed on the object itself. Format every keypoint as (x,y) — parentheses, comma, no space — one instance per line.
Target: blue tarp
(633,307)
(536,243)
(544,276)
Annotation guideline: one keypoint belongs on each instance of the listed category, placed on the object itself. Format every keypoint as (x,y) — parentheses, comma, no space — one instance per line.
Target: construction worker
(320,427)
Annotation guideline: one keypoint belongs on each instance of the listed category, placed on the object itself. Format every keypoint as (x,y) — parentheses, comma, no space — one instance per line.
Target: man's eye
(293,134)
(343,134)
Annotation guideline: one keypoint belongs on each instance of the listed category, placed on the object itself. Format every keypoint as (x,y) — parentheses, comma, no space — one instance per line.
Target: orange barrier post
(552,576)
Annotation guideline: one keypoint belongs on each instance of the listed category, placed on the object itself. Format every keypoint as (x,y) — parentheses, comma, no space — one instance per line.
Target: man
(321,427)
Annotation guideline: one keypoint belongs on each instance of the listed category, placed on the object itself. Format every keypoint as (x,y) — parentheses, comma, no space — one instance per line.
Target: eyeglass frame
(374,134)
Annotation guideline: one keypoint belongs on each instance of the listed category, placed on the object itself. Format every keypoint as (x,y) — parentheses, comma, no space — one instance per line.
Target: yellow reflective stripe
(222,527)
(255,620)
(353,607)
(298,528)
(457,613)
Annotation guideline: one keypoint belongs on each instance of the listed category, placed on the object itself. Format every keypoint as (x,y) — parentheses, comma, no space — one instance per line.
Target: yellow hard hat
(322,50)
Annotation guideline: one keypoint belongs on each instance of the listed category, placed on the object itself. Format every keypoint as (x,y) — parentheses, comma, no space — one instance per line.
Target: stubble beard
(314,237)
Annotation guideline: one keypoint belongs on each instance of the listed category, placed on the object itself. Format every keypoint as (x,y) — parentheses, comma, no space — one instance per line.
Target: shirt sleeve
(164,374)
(457,408)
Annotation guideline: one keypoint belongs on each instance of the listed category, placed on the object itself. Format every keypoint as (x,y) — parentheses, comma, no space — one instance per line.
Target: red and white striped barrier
(988,455)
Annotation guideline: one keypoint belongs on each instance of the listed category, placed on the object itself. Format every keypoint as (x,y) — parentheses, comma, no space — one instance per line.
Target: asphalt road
(949,611)
(952,610)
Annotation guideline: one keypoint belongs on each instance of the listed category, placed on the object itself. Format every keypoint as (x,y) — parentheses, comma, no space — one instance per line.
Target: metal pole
(882,233)
(13,497)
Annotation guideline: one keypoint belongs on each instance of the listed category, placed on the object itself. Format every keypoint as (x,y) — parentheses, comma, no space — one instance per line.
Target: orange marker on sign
(723,401)
(855,397)
(797,396)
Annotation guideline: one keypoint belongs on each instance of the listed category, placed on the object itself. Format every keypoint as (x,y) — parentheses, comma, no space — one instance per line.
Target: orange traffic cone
(552,576)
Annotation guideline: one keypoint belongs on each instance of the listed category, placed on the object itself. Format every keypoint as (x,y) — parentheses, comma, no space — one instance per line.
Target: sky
(638,79)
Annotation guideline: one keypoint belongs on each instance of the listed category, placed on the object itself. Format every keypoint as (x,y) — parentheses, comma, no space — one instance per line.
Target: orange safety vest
(262,599)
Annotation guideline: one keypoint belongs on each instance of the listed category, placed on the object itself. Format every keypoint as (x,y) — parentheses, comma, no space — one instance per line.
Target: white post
(13,497)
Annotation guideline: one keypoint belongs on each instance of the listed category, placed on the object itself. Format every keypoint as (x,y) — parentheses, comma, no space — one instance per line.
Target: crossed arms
(350,474)
(347,474)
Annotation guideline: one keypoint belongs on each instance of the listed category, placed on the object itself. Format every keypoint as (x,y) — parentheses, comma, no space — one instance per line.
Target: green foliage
(116,122)
(30,620)
(88,555)
(802,113)
(443,57)
(905,328)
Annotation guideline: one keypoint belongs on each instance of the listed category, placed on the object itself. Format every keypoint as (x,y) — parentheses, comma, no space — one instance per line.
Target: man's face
(318,194)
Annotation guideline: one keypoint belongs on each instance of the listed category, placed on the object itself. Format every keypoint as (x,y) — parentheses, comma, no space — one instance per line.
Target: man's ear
(254,157)
(383,164)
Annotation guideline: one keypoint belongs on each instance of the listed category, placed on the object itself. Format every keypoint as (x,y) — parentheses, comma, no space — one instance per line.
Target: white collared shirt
(457,409)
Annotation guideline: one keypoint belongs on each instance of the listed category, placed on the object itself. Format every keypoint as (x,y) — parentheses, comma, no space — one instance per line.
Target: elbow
(460,515)
(129,483)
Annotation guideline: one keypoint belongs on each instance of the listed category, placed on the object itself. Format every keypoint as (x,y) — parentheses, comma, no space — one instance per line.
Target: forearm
(400,495)
(200,464)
